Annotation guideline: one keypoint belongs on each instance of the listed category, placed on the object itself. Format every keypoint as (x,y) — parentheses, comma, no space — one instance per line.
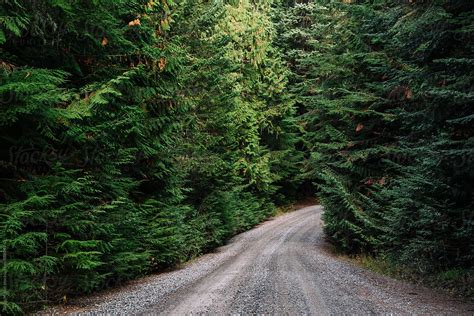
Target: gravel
(283,266)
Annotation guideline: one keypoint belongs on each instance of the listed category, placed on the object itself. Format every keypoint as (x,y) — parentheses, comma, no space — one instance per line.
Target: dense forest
(139,134)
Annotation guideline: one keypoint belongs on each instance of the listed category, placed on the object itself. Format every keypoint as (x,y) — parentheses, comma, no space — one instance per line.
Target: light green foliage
(135,136)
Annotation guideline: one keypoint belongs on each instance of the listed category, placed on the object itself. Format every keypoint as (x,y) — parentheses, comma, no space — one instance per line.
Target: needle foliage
(384,89)
(138,134)
(135,135)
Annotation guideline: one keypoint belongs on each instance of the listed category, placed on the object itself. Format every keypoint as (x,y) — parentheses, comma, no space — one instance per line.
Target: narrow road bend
(283,266)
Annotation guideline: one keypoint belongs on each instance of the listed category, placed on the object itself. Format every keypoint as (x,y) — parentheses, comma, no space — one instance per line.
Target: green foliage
(135,136)
(138,134)
(385,92)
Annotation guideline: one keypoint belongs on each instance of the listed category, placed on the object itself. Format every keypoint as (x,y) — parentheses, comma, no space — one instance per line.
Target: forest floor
(283,266)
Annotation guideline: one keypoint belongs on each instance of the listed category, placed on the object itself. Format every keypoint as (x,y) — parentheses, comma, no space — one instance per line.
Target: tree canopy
(138,134)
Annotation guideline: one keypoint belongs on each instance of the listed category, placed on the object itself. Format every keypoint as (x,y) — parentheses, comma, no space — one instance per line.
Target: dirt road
(282,266)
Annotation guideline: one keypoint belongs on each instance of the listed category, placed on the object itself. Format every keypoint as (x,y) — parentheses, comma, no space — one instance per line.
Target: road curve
(283,266)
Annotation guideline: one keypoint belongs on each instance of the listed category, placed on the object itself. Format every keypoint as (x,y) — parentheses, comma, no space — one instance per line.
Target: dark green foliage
(138,134)
(436,140)
(385,92)
(345,120)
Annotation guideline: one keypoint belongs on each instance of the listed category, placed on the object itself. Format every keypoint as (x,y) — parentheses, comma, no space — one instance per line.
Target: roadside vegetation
(385,93)
(138,134)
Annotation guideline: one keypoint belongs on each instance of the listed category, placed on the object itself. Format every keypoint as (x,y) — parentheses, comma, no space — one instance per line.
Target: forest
(139,134)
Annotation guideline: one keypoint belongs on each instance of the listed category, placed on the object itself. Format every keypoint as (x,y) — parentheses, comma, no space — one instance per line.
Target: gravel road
(283,266)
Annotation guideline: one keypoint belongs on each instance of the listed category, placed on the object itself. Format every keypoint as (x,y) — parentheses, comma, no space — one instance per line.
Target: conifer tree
(385,93)
(135,136)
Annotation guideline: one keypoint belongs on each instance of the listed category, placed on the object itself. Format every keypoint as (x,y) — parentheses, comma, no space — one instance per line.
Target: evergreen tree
(133,138)
(385,95)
